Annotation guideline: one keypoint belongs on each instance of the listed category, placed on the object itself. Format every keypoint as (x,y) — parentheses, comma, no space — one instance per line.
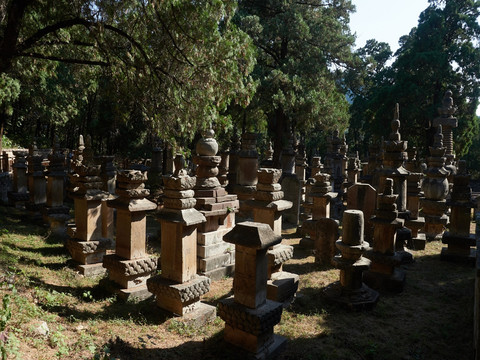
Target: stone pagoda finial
(448,108)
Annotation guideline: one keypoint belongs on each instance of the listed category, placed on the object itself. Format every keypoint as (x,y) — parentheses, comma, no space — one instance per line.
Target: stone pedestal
(384,273)
(131,266)
(249,317)
(178,289)
(363,197)
(19,195)
(458,238)
(350,291)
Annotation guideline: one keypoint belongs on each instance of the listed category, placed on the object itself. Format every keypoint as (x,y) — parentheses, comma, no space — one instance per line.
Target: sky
(385,20)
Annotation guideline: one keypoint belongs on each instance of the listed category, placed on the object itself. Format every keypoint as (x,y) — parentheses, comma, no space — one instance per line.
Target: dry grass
(431,319)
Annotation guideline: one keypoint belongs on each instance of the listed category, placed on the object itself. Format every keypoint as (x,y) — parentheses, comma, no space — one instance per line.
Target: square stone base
(282,287)
(418,243)
(178,299)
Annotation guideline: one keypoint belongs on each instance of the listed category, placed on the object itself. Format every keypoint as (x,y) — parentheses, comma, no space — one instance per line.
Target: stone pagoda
(350,290)
(55,213)
(247,166)
(131,266)
(86,243)
(233,161)
(322,230)
(291,184)
(448,122)
(268,202)
(37,186)
(459,239)
(393,158)
(384,272)
(435,189)
(215,257)
(414,193)
(19,195)
(267,208)
(178,289)
(249,316)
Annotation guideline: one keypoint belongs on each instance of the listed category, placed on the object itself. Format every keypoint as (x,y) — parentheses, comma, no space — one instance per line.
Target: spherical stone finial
(207,146)
(81,144)
(353,227)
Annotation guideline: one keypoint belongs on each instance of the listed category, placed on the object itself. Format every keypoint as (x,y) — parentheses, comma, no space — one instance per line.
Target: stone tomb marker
(131,266)
(249,317)
(363,197)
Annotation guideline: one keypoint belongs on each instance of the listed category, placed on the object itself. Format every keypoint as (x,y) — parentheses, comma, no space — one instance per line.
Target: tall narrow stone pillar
(19,195)
(37,187)
(131,266)
(459,240)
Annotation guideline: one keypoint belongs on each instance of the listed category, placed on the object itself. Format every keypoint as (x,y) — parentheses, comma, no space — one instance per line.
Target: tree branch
(65,60)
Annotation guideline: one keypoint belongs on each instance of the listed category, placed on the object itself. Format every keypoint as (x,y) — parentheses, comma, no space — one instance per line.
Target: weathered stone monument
(447,121)
(393,159)
(55,213)
(131,266)
(414,193)
(350,291)
(322,229)
(435,189)
(215,257)
(86,244)
(247,166)
(178,288)
(19,194)
(37,187)
(291,185)
(268,203)
(363,197)
(459,239)
(249,316)
(384,272)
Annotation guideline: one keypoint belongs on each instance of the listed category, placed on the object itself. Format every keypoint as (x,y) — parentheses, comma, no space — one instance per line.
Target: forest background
(132,73)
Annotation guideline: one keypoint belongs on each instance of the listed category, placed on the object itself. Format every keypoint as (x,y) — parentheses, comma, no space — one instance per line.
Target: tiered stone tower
(178,288)
(414,193)
(435,189)
(384,272)
(459,239)
(215,257)
(86,244)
